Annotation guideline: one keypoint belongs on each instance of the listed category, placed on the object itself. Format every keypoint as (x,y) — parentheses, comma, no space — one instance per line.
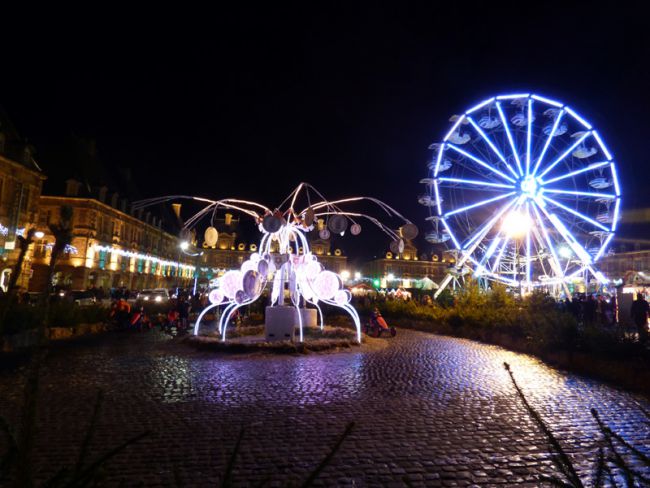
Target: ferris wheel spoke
(576,213)
(506,127)
(548,141)
(492,146)
(483,231)
(529,269)
(480,162)
(555,261)
(565,153)
(580,193)
(577,248)
(504,246)
(475,182)
(477,170)
(479,204)
(529,133)
(591,167)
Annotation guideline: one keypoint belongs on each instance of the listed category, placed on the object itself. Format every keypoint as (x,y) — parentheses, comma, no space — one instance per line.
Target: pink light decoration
(342,297)
(231,282)
(248,266)
(312,270)
(326,285)
(215,296)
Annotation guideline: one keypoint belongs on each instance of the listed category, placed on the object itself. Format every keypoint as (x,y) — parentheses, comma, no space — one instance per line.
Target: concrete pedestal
(309,317)
(281,321)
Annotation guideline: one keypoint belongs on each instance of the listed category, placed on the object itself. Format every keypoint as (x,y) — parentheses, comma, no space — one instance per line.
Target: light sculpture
(283,256)
(526,192)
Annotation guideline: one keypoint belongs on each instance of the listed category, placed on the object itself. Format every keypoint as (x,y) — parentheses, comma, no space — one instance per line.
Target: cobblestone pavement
(429,411)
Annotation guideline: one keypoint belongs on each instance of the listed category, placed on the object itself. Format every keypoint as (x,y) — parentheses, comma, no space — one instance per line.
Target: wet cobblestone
(429,411)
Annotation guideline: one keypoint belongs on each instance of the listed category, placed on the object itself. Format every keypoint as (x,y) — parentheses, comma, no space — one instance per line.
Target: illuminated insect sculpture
(284,256)
(526,192)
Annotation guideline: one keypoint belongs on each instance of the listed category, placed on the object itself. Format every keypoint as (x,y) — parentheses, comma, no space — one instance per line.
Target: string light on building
(68,249)
(145,257)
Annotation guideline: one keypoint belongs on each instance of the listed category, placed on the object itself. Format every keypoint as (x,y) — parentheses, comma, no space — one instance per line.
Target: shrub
(22,317)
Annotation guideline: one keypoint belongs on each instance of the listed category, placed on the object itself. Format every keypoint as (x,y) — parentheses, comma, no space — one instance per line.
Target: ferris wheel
(525,191)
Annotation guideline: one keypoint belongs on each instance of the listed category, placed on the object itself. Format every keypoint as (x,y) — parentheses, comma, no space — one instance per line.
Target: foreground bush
(536,322)
(21,317)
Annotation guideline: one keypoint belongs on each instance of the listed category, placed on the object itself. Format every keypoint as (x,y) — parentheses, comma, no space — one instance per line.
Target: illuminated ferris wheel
(526,192)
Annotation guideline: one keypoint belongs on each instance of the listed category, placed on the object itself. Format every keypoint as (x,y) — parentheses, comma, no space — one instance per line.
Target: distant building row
(115,245)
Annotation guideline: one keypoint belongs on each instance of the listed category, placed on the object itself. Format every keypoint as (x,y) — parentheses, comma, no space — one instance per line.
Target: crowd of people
(176,318)
(590,309)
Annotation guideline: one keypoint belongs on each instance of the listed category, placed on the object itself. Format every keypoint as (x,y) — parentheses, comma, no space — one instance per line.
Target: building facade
(619,266)
(21,183)
(110,247)
(406,268)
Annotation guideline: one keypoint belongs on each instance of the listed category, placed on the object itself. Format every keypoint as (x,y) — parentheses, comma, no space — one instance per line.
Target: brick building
(21,182)
(407,267)
(618,265)
(112,246)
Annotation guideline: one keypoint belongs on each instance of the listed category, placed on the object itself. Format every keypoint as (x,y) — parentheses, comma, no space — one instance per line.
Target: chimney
(138,214)
(228,219)
(123,203)
(177,210)
(147,216)
(101,194)
(114,199)
(72,187)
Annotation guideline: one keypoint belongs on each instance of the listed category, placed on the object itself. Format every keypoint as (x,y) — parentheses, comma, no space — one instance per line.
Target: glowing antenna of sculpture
(283,254)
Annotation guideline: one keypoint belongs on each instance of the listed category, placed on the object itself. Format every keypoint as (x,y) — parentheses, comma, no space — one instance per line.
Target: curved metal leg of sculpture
(353,313)
(320,315)
(198,320)
(225,316)
(299,319)
(357,321)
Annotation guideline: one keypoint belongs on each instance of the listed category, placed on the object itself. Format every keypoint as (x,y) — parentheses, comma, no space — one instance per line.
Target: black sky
(248,101)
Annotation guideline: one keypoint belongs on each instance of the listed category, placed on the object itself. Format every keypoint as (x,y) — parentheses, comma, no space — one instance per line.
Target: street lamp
(516,224)
(345,274)
(39,234)
(184,245)
(357,275)
(390,277)
(564,251)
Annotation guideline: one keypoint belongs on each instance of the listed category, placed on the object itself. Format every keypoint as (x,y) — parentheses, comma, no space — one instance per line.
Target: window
(24,202)
(102,259)
(82,217)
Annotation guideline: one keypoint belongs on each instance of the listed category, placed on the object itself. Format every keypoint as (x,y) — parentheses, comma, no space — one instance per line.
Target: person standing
(183,309)
(639,312)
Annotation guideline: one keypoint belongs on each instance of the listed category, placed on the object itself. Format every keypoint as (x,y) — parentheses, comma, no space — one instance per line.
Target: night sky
(250,102)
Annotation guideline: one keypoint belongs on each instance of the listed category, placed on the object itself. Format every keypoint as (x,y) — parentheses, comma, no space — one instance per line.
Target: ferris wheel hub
(529,186)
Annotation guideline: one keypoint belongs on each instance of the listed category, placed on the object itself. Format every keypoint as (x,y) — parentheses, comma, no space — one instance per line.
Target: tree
(62,232)
(23,243)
